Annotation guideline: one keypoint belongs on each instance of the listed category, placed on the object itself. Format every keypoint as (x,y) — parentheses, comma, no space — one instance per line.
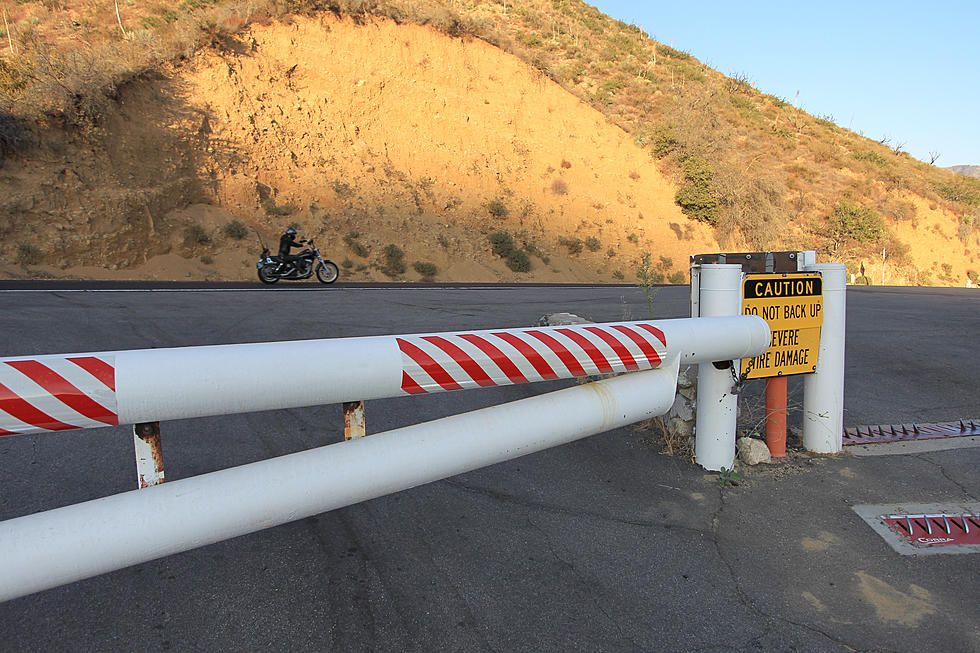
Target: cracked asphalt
(601,545)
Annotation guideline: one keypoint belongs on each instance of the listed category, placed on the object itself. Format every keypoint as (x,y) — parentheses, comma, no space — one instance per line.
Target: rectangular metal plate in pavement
(926,528)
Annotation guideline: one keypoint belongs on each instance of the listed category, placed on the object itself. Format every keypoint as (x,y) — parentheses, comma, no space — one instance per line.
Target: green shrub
(611,252)
(503,246)
(498,209)
(356,246)
(667,51)
(618,275)
(347,264)
(664,141)
(519,261)
(973,276)
(742,102)
(574,245)
(871,157)
(425,268)
(195,233)
(28,254)
(963,190)
(235,230)
(502,243)
(207,260)
(593,244)
(697,197)
(677,278)
(852,223)
(393,263)
(633,238)
(271,208)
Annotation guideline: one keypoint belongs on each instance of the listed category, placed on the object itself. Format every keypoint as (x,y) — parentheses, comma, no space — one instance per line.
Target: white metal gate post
(823,391)
(714,446)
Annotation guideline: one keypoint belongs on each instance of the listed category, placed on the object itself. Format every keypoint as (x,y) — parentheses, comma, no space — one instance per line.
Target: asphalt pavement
(605,544)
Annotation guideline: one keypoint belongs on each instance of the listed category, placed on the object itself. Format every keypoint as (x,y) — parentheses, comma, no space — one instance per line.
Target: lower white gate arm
(60,546)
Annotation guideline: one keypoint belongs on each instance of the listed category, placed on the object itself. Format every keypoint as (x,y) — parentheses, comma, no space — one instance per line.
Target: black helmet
(291,231)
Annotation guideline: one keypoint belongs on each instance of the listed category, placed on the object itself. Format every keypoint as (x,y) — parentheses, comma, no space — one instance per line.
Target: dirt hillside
(396,132)
(368,133)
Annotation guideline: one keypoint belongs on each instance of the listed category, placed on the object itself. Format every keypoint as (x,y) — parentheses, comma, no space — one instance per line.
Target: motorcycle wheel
(267,276)
(327,272)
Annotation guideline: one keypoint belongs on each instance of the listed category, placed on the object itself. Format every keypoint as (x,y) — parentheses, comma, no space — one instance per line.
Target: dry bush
(753,208)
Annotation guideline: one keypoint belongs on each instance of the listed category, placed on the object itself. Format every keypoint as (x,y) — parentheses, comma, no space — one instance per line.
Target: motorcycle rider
(286,243)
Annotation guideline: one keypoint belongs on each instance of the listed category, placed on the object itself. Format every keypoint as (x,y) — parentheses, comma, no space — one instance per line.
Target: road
(604,544)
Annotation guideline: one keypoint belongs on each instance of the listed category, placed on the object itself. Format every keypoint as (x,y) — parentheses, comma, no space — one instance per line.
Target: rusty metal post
(776,399)
(354,420)
(149,453)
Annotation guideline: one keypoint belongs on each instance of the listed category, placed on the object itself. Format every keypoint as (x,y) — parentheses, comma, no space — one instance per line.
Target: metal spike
(908,523)
(946,524)
(928,524)
(915,429)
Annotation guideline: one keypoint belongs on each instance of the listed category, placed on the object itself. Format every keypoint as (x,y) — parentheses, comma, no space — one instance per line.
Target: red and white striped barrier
(58,392)
(469,360)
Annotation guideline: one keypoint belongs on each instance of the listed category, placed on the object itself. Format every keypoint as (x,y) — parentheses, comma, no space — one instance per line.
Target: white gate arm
(69,391)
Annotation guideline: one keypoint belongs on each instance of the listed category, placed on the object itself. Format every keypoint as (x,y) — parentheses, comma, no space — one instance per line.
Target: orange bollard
(776,416)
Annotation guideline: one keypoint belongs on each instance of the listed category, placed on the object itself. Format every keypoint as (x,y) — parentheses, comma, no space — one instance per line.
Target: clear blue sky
(906,70)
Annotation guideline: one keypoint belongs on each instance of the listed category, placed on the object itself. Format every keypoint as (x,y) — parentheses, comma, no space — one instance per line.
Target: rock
(687,377)
(561,319)
(682,408)
(752,451)
(682,429)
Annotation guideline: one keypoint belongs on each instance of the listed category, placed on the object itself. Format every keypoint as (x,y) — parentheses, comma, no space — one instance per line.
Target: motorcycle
(271,268)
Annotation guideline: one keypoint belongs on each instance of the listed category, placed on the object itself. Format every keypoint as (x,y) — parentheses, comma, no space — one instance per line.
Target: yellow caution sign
(792,304)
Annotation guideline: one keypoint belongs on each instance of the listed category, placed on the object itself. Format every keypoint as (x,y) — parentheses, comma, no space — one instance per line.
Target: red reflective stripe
(590,349)
(432,368)
(16,407)
(655,331)
(651,354)
(566,357)
(6,432)
(62,390)
(618,347)
(498,357)
(533,357)
(469,365)
(99,369)
(410,386)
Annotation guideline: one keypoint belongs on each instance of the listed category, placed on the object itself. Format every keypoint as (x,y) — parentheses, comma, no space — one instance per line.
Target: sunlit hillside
(483,140)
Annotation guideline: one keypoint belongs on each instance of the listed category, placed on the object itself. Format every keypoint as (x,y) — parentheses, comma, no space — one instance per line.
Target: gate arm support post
(717,404)
(823,391)
(149,454)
